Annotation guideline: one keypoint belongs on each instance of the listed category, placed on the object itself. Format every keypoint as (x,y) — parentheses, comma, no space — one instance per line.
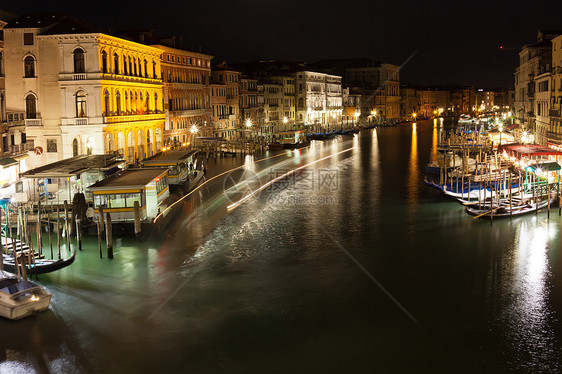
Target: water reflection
(530,312)
(434,142)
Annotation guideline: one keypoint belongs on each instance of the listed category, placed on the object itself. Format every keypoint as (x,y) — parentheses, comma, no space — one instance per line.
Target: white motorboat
(20,298)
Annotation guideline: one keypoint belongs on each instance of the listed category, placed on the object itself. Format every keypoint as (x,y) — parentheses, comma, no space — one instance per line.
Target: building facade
(319,100)
(82,92)
(226,114)
(534,60)
(380,88)
(186,77)
(542,107)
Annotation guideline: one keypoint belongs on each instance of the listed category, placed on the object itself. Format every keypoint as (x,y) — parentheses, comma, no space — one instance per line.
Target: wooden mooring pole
(109,236)
(98,224)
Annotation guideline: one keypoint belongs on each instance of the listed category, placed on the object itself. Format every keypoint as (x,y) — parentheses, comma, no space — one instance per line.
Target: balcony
(134,118)
(74,121)
(554,137)
(16,149)
(33,122)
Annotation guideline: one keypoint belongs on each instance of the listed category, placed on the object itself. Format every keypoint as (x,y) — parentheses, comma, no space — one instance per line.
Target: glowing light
(194,129)
(285,120)
(34,298)
(241,201)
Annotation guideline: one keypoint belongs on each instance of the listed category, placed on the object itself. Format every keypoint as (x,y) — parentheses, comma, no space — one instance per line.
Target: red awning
(528,150)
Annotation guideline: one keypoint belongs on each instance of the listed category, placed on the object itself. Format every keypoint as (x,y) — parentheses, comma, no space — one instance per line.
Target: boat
(504,210)
(180,164)
(20,298)
(38,265)
(292,139)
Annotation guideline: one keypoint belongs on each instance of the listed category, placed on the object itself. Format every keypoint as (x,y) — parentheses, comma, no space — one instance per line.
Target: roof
(74,166)
(547,166)
(7,161)
(130,178)
(169,157)
(52,23)
(523,150)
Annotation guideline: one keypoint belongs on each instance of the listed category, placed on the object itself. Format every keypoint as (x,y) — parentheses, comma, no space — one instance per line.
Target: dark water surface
(350,265)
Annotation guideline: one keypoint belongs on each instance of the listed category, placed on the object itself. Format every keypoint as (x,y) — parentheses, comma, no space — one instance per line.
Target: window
(106,102)
(116,63)
(1,66)
(75,147)
(29,67)
(145,69)
(79,66)
(28,38)
(80,104)
(118,104)
(154,70)
(104,62)
(52,145)
(30,106)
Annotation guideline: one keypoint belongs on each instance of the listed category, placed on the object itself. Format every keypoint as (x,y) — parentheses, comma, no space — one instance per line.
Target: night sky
(456,42)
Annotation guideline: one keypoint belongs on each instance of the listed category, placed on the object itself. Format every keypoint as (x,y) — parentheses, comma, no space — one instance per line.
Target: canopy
(527,150)
(547,166)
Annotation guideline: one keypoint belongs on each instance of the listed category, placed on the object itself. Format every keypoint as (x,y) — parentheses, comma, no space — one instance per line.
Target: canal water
(348,265)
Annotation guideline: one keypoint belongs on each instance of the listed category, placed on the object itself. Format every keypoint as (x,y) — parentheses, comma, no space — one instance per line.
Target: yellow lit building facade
(82,92)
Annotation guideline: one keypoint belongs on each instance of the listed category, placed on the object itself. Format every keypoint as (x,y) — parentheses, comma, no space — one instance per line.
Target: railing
(33,122)
(554,137)
(18,148)
(15,116)
(81,121)
(133,118)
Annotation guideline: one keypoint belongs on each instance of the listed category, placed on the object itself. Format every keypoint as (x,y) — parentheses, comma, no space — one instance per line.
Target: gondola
(40,265)
(503,210)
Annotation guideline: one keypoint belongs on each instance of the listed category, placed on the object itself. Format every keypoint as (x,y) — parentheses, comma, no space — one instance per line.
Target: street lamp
(193,131)
(285,120)
(356,116)
(414,115)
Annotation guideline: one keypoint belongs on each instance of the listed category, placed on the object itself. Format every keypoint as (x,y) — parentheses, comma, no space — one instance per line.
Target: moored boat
(505,210)
(20,298)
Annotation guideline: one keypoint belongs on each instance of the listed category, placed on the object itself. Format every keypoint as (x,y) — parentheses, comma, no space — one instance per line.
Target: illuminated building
(534,60)
(379,86)
(554,133)
(187,94)
(225,98)
(319,100)
(82,92)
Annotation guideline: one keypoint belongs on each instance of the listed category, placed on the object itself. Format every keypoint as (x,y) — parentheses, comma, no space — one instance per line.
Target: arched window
(75,147)
(118,104)
(106,102)
(145,69)
(30,106)
(29,67)
(147,103)
(154,69)
(135,66)
(104,62)
(130,66)
(79,65)
(125,65)
(116,63)
(80,104)
(155,103)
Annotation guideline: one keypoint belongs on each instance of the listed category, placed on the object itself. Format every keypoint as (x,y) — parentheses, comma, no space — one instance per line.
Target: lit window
(79,66)
(29,67)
